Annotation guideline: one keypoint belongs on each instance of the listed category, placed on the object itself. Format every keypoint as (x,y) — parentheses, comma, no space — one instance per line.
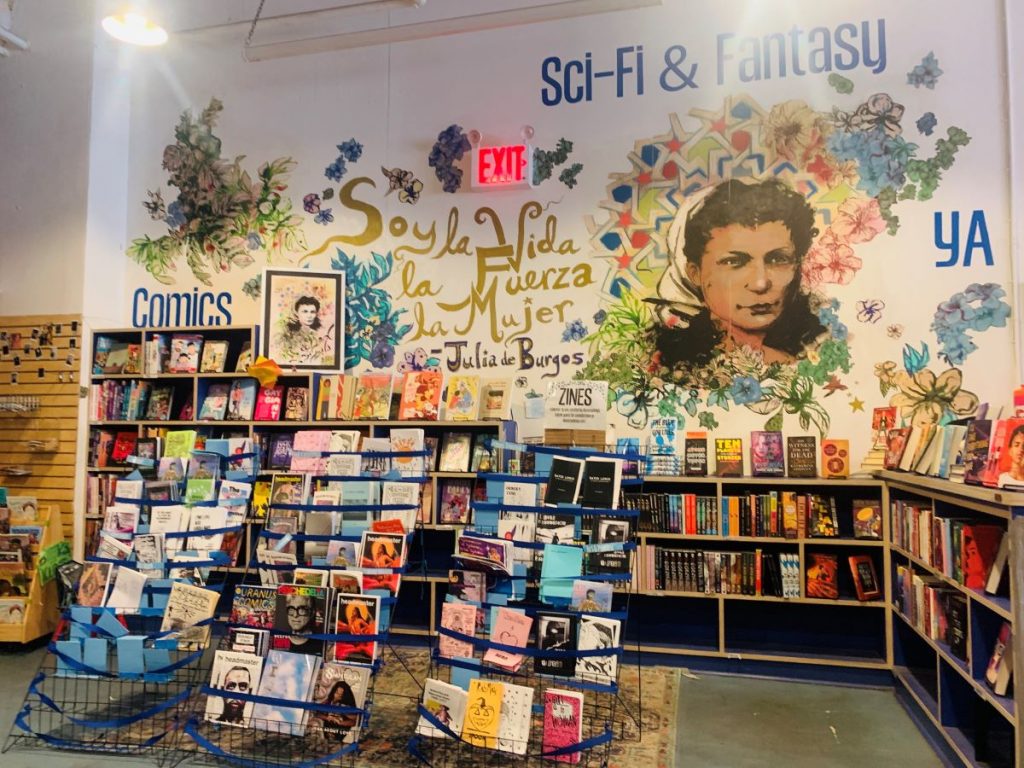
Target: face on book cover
(237,680)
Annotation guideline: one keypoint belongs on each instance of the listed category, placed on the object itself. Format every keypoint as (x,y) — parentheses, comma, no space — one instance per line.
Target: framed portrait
(304,318)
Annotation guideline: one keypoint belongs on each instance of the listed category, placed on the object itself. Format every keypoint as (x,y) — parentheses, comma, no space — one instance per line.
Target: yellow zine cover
(483,712)
(463,401)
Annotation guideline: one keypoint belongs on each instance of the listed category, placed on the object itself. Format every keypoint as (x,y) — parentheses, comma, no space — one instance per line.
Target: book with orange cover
(421,395)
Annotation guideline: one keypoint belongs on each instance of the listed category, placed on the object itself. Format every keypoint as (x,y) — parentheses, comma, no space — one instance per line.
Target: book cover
(1010,469)
(101,350)
(491,554)
(802,456)
(664,431)
(260,499)
(308,449)
(976,450)
(728,457)
(285,676)
(867,519)
(301,610)
(467,585)
(483,713)
(514,725)
(268,403)
(556,632)
(695,454)
(456,497)
(495,399)
(407,441)
(1000,665)
(463,399)
(591,596)
(445,702)
(215,404)
(510,627)
(340,685)
(602,479)
(296,404)
(564,480)
(597,633)
(244,358)
(896,442)
(766,457)
(233,672)
(185,351)
(382,551)
(823,576)
(254,606)
(957,619)
(117,358)
(215,354)
(461,618)
(563,723)
(161,400)
(609,531)
(203,473)
(280,453)
(822,518)
(483,454)
(188,607)
(518,526)
(835,459)
(979,545)
(421,395)
(865,580)
(126,593)
(455,452)
(355,615)
(242,400)
(556,528)
(179,444)
(406,498)
(373,396)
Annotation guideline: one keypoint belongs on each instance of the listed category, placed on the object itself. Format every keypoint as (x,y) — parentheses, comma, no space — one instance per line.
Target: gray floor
(739,721)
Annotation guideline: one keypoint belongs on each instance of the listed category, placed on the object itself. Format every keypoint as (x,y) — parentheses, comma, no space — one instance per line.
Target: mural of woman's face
(744,274)
(306,314)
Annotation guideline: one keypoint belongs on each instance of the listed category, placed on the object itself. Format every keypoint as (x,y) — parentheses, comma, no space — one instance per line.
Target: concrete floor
(725,721)
(741,721)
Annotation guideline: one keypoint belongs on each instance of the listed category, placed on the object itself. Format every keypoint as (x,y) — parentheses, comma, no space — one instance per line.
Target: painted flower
(574,331)
(858,220)
(894,331)
(745,389)
(707,420)
(926,123)
(335,170)
(175,216)
(830,260)
(915,360)
(984,292)
(253,241)
(954,311)
(383,355)
(926,73)
(600,316)
(990,315)
(870,310)
(253,287)
(351,150)
(324,217)
(793,130)
(925,398)
(879,112)
(311,203)
(155,206)
(634,406)
(418,360)
(956,346)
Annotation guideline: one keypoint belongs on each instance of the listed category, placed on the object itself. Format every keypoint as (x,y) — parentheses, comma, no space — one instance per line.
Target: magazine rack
(602,717)
(41,608)
(207,743)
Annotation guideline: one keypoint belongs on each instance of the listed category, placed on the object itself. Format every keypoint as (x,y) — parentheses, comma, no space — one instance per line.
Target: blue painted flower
(956,347)
(574,331)
(840,332)
(926,123)
(926,73)
(351,150)
(325,217)
(335,170)
(954,311)
(253,287)
(989,316)
(915,361)
(253,241)
(383,355)
(450,146)
(984,292)
(633,406)
(175,217)
(745,389)
(600,316)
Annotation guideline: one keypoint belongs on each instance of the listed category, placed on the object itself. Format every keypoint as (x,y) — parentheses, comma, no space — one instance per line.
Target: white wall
(44,158)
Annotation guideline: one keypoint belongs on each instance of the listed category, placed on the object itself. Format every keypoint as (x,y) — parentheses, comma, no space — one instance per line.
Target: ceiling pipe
(428,29)
(13,39)
(268,22)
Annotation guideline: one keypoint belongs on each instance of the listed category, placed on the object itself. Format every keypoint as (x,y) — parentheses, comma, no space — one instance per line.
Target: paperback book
(766,456)
(446,703)
(340,685)
(236,673)
(728,457)
(288,676)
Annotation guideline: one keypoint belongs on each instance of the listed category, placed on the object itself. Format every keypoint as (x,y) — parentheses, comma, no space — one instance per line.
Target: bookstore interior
(481,384)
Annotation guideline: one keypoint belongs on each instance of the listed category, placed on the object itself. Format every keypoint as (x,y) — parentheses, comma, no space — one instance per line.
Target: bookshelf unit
(981,727)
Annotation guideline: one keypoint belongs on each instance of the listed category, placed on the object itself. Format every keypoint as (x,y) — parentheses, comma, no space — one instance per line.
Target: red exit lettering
(501,165)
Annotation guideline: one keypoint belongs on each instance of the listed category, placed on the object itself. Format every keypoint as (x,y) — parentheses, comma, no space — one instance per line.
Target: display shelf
(1000,605)
(42,609)
(837,541)
(764,598)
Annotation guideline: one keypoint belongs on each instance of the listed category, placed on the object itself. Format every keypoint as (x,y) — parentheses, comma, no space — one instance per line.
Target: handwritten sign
(577,405)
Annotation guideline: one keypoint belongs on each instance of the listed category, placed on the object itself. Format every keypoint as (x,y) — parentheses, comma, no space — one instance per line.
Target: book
(1000,665)
(280,453)
(406,498)
(215,354)
(340,685)
(185,352)
(126,593)
(766,456)
(896,442)
(556,632)
(591,596)
(296,404)
(382,551)
(957,621)
(161,400)
(998,569)
(285,676)
(823,576)
(255,642)
(117,358)
(308,449)
(865,580)
(188,610)
(601,483)
(976,450)
(179,444)
(407,441)
(801,456)
(467,585)
(92,585)
(260,499)
(461,618)
(555,528)
(728,457)
(821,520)
(233,672)
(462,402)
(100,352)
(510,627)
(598,633)
(487,553)
(254,606)
(244,358)
(835,459)
(483,713)
(867,519)
(455,452)
(215,404)
(242,400)
(355,615)
(609,531)
(446,703)
(421,395)
(268,404)
(564,480)
(301,610)
(373,396)
(456,497)
(695,454)
(563,723)
(518,526)
(495,399)
(514,725)
(1009,471)
(483,455)
(979,545)
(203,474)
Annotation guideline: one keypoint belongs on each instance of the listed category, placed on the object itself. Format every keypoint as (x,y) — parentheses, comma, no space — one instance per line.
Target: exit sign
(508,166)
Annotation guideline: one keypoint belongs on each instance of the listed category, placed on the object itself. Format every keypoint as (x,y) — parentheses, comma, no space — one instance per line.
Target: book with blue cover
(286,676)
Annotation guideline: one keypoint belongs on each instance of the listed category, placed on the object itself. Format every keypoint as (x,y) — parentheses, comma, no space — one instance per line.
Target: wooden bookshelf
(42,608)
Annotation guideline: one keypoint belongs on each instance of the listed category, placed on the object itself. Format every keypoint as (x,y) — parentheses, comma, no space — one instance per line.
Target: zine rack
(535,590)
(264,742)
(113,681)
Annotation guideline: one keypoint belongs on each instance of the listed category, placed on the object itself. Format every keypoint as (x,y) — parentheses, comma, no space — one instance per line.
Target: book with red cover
(979,545)
(421,395)
(124,446)
(835,458)
(823,576)
(1009,466)
(563,723)
(268,404)
(896,441)
(1000,665)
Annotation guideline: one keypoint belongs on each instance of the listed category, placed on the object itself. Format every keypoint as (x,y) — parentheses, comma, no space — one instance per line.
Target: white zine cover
(206,518)
(233,672)
(286,676)
(518,526)
(403,494)
(407,441)
(514,726)
(170,520)
(187,606)
(597,633)
(445,702)
(127,591)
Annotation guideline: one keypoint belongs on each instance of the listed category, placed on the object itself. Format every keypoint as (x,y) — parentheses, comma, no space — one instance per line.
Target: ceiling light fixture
(134,28)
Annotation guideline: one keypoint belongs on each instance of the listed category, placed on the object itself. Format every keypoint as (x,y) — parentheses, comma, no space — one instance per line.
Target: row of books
(21,532)
(971,553)
(775,574)
(165,353)
(498,715)
(674,512)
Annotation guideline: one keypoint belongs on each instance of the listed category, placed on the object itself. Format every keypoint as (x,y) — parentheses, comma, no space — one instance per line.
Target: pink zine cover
(510,628)
(563,722)
(459,617)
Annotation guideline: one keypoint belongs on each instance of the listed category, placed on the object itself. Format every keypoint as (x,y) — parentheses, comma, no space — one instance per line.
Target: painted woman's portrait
(303,315)
(734,276)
